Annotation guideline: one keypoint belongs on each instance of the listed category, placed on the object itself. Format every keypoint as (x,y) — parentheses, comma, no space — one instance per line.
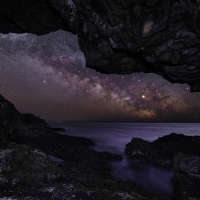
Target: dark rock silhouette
(10,118)
(32,120)
(119,36)
(138,149)
(163,150)
(58,129)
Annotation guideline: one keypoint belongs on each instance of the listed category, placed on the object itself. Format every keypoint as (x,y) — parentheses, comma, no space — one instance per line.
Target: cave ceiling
(119,36)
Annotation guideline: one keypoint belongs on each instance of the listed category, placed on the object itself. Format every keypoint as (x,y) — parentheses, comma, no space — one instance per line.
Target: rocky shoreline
(26,171)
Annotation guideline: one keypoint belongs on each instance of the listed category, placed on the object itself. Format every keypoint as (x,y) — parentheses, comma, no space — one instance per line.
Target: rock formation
(22,165)
(120,36)
(163,150)
(10,118)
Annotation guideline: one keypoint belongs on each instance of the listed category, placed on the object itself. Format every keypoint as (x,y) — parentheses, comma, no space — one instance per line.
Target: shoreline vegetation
(27,172)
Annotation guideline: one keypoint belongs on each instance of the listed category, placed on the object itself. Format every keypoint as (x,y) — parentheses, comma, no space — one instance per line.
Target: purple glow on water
(113,137)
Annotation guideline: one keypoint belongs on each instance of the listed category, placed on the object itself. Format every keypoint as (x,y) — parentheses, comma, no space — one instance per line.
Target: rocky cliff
(119,36)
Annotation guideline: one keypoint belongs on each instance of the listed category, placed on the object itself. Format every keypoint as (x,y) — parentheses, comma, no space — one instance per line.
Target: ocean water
(113,137)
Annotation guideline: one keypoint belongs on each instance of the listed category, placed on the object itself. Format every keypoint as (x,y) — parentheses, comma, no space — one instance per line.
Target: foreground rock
(162,150)
(186,177)
(26,172)
(22,165)
(119,36)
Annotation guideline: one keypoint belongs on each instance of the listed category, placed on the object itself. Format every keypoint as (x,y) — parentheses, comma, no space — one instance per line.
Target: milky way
(47,76)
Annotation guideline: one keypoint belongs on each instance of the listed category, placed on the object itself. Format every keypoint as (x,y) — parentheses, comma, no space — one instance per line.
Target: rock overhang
(120,36)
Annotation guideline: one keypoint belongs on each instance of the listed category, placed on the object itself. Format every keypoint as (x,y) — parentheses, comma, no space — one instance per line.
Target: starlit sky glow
(46,76)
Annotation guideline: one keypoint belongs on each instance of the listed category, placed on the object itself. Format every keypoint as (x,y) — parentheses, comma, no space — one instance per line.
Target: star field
(47,76)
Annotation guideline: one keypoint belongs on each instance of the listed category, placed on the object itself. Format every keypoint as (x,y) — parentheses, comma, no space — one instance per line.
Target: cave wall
(32,16)
(119,36)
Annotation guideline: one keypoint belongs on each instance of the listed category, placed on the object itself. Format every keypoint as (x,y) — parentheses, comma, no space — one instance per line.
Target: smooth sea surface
(113,137)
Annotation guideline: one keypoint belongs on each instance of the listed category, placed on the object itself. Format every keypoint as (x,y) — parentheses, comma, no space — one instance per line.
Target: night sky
(46,76)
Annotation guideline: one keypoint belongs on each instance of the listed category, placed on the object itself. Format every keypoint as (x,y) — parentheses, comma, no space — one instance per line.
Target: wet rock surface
(26,171)
(119,36)
(186,177)
(163,150)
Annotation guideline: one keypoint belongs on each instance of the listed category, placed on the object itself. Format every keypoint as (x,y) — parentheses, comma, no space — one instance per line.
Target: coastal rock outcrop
(186,178)
(175,150)
(119,36)
(31,120)
(163,150)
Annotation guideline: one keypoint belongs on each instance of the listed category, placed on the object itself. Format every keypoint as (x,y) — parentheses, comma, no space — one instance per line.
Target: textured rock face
(186,177)
(120,36)
(21,165)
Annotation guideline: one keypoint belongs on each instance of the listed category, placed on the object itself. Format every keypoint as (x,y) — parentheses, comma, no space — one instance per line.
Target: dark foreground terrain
(175,150)
(26,171)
